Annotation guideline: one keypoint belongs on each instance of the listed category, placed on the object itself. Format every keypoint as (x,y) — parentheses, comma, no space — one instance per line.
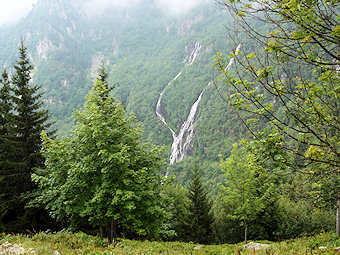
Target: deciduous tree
(289,79)
(248,188)
(104,173)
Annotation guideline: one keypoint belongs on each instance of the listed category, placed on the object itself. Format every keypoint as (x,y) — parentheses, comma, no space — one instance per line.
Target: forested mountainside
(144,48)
(244,100)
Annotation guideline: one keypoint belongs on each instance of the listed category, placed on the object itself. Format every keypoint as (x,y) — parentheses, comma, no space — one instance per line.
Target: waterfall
(181,142)
(193,55)
(232,58)
(158,107)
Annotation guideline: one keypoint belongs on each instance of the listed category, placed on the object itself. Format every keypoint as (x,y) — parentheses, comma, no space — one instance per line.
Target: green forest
(85,145)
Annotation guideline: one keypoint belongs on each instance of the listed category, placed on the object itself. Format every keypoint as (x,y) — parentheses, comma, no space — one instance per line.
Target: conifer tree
(6,145)
(21,135)
(199,222)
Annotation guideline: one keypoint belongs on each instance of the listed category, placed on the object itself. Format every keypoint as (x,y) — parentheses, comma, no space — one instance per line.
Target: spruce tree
(199,222)
(26,120)
(7,147)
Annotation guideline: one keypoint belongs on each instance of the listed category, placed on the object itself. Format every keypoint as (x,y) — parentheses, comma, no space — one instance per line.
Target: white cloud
(170,7)
(12,11)
(97,6)
(177,7)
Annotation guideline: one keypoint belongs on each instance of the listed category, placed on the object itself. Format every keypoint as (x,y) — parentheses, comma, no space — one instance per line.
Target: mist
(12,11)
(178,7)
(168,7)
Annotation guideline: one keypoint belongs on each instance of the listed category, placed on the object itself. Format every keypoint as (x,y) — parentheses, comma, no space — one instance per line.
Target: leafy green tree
(291,82)
(200,218)
(248,188)
(104,173)
(178,210)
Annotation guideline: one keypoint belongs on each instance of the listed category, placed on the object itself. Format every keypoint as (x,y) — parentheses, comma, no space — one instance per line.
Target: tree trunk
(338,217)
(115,232)
(100,230)
(245,231)
(110,234)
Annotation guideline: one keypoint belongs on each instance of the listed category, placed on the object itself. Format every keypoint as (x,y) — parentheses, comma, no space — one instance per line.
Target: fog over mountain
(12,11)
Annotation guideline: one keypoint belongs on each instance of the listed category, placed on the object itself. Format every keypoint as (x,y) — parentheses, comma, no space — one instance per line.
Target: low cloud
(169,7)
(178,7)
(12,11)
(96,7)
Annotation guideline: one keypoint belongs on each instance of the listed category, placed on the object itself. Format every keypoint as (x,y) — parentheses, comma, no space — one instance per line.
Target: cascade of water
(158,107)
(232,58)
(194,54)
(181,142)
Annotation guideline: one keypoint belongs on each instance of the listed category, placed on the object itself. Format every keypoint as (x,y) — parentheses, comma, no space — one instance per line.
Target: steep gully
(182,142)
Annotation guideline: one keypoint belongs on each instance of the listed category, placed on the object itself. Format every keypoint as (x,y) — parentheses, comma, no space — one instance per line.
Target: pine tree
(25,121)
(199,223)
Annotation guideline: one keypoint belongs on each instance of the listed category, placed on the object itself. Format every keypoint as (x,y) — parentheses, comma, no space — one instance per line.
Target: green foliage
(280,88)
(200,219)
(296,218)
(178,210)
(80,243)
(248,189)
(289,83)
(103,173)
(22,120)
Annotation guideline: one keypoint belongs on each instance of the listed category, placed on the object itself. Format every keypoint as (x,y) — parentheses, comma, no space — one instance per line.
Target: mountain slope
(143,49)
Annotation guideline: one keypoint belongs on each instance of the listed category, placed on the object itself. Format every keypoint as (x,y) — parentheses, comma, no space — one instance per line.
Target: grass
(80,243)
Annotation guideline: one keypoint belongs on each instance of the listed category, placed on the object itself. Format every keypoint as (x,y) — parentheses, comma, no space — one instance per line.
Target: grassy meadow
(80,243)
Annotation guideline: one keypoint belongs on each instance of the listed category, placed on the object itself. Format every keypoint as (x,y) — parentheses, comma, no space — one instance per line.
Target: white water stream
(182,142)
(194,54)
(232,58)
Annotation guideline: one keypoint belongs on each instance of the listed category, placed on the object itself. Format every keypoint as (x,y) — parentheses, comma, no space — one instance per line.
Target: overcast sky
(13,10)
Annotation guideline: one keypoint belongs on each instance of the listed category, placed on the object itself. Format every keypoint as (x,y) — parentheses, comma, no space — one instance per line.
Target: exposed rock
(13,249)
(64,83)
(96,62)
(185,27)
(43,47)
(198,247)
(256,246)
(168,27)
(115,46)
(209,47)
(28,36)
